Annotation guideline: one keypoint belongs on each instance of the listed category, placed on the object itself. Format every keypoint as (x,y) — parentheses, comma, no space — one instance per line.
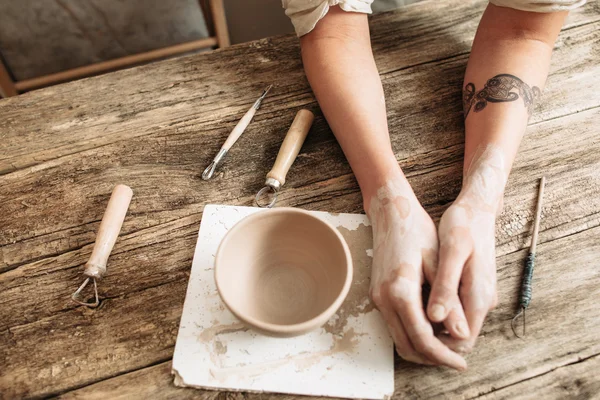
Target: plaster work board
(351,356)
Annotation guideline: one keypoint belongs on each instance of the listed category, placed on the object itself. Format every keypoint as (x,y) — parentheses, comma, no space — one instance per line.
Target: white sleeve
(306,13)
(542,6)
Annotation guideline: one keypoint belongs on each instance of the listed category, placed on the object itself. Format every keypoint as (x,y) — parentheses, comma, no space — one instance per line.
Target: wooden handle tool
(526,285)
(285,158)
(234,135)
(110,226)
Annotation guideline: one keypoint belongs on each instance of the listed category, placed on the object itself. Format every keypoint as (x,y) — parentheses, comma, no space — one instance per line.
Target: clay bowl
(283,272)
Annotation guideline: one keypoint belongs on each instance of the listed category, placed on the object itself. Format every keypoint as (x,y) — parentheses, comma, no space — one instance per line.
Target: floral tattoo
(499,89)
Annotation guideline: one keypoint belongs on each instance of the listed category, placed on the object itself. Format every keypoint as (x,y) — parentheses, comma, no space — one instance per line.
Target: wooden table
(156,128)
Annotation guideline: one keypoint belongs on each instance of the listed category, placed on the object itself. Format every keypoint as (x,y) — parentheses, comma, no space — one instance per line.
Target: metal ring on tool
(75,296)
(209,171)
(261,192)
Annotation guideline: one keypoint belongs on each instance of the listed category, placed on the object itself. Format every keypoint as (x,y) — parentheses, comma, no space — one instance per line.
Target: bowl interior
(281,267)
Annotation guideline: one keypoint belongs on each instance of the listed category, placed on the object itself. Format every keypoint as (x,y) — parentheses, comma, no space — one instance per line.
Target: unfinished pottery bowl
(283,272)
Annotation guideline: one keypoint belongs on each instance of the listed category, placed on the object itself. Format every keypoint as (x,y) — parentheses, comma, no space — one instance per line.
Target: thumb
(444,291)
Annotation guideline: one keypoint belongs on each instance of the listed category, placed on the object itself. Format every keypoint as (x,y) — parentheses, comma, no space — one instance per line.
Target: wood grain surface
(156,127)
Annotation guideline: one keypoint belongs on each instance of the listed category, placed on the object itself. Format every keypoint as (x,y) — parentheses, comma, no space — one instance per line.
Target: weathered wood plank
(141,260)
(401,38)
(561,308)
(558,310)
(173,157)
(215,87)
(65,226)
(575,380)
(81,346)
(156,127)
(135,266)
(578,380)
(151,382)
(571,197)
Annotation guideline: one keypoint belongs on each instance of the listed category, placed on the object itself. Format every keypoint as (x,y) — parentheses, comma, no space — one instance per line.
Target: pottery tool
(234,135)
(107,235)
(285,158)
(525,295)
(351,356)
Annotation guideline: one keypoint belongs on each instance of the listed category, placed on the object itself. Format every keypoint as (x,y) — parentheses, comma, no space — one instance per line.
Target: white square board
(351,356)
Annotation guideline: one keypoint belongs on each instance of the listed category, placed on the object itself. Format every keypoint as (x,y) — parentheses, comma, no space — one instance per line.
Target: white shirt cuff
(306,13)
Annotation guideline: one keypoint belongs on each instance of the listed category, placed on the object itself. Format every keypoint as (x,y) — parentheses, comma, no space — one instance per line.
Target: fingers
(461,346)
(456,322)
(403,346)
(429,255)
(475,314)
(444,291)
(430,262)
(478,296)
(406,299)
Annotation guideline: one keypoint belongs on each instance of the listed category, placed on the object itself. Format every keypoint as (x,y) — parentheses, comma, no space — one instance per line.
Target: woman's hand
(466,274)
(405,254)
(466,277)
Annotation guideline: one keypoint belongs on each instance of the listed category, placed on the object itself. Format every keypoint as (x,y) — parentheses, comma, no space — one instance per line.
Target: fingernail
(462,329)
(461,364)
(438,312)
(463,349)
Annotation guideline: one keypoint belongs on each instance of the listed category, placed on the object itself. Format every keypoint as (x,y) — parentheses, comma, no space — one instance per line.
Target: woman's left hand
(465,280)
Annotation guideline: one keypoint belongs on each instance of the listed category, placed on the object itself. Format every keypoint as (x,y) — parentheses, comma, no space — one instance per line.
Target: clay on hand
(404,256)
(466,273)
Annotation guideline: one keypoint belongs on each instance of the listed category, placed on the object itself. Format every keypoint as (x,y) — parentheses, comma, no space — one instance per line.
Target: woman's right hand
(405,254)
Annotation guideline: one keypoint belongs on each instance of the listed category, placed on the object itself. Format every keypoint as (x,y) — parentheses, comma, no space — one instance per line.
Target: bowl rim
(304,326)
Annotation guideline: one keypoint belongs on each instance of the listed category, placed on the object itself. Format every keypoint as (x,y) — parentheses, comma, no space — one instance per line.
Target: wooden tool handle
(291,145)
(538,215)
(239,128)
(108,231)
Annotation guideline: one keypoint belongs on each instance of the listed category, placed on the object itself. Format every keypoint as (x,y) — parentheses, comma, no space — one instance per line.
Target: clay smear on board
(345,339)
(210,336)
(341,344)
(357,302)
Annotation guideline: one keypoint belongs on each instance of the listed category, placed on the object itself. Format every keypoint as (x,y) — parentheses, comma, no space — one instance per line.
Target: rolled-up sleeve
(306,13)
(540,5)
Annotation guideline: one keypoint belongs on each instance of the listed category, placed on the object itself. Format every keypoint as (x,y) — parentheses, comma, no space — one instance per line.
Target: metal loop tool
(263,193)
(107,235)
(285,158)
(234,135)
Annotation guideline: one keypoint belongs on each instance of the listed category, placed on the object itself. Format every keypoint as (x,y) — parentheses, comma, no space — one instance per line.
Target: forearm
(339,65)
(514,47)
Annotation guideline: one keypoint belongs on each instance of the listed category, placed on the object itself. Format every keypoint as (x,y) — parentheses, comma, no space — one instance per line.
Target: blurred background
(47,42)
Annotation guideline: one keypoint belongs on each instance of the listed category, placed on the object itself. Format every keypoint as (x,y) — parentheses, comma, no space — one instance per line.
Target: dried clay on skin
(486,176)
(398,236)
(480,197)
(470,221)
(404,256)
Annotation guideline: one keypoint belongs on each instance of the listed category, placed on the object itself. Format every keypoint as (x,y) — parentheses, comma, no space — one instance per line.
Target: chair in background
(220,39)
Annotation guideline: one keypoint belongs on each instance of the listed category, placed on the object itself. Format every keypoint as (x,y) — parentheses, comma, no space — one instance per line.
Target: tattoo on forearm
(499,89)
